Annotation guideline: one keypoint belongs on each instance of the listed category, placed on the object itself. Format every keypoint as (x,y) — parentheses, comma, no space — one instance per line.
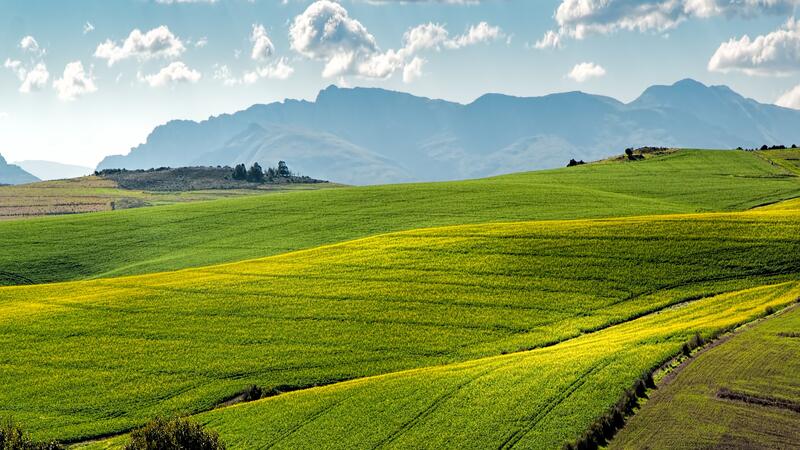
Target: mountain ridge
(13,174)
(373,135)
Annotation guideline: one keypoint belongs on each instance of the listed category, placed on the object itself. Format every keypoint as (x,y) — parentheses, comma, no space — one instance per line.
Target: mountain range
(49,170)
(369,135)
(13,174)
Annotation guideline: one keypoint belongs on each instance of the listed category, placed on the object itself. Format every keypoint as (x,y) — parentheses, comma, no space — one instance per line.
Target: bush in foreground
(174,434)
(12,437)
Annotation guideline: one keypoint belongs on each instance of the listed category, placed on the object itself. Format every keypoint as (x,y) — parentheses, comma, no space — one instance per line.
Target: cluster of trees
(255,174)
(768,147)
(573,162)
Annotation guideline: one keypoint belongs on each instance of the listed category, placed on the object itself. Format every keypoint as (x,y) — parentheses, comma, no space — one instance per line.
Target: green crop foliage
(536,399)
(147,240)
(760,362)
(86,358)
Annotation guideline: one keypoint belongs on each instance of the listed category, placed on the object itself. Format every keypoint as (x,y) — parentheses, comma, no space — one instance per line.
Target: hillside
(128,349)
(12,174)
(741,394)
(191,235)
(369,136)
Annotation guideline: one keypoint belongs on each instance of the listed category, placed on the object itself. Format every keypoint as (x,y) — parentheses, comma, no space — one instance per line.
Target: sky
(87,78)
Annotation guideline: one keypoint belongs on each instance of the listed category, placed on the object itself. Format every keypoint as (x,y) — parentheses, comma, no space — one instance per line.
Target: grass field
(94,194)
(535,399)
(173,237)
(761,363)
(127,349)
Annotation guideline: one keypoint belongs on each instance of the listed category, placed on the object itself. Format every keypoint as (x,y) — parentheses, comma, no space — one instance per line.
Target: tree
(283,169)
(174,434)
(240,172)
(629,152)
(255,174)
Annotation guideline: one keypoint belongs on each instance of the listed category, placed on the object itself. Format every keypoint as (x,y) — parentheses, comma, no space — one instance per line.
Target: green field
(174,237)
(127,349)
(511,312)
(762,362)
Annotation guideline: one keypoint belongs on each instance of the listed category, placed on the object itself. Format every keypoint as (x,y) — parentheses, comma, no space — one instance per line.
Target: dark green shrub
(174,434)
(12,437)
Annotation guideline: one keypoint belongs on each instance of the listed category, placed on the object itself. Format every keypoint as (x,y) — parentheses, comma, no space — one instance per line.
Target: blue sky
(78,82)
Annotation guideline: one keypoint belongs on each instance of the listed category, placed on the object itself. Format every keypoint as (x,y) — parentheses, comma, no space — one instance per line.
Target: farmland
(127,349)
(94,194)
(505,312)
(760,363)
(174,237)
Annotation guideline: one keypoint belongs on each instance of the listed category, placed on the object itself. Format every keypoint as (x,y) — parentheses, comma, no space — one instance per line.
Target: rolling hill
(175,237)
(12,174)
(369,136)
(741,394)
(131,348)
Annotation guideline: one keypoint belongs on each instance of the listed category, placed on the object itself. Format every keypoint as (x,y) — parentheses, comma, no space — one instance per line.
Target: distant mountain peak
(365,135)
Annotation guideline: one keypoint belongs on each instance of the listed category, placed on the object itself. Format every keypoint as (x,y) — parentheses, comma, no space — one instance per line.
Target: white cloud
(776,53)
(325,32)
(170,2)
(29,44)
(476,34)
(585,71)
(3,115)
(176,72)
(88,27)
(413,70)
(33,79)
(156,43)
(74,83)
(278,70)
(223,73)
(790,98)
(578,19)
(262,45)
(202,42)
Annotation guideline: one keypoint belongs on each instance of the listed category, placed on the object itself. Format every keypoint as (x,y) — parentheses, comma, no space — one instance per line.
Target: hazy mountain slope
(49,170)
(11,174)
(367,136)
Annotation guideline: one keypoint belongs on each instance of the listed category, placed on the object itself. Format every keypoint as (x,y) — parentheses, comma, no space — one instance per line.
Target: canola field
(89,358)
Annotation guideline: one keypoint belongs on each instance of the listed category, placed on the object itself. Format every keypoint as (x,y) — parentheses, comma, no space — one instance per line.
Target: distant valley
(372,136)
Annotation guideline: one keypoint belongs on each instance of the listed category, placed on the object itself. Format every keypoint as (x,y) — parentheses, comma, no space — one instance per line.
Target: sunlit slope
(539,399)
(761,364)
(85,358)
(174,237)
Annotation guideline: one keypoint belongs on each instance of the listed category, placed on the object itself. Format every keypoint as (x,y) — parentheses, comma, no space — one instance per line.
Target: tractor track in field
(576,384)
(519,434)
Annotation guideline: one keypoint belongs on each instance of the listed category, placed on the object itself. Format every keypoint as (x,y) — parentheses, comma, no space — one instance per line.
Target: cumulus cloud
(262,45)
(30,45)
(170,2)
(790,98)
(75,82)
(326,32)
(578,19)
(413,70)
(176,72)
(585,71)
(156,43)
(32,79)
(278,70)
(776,53)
